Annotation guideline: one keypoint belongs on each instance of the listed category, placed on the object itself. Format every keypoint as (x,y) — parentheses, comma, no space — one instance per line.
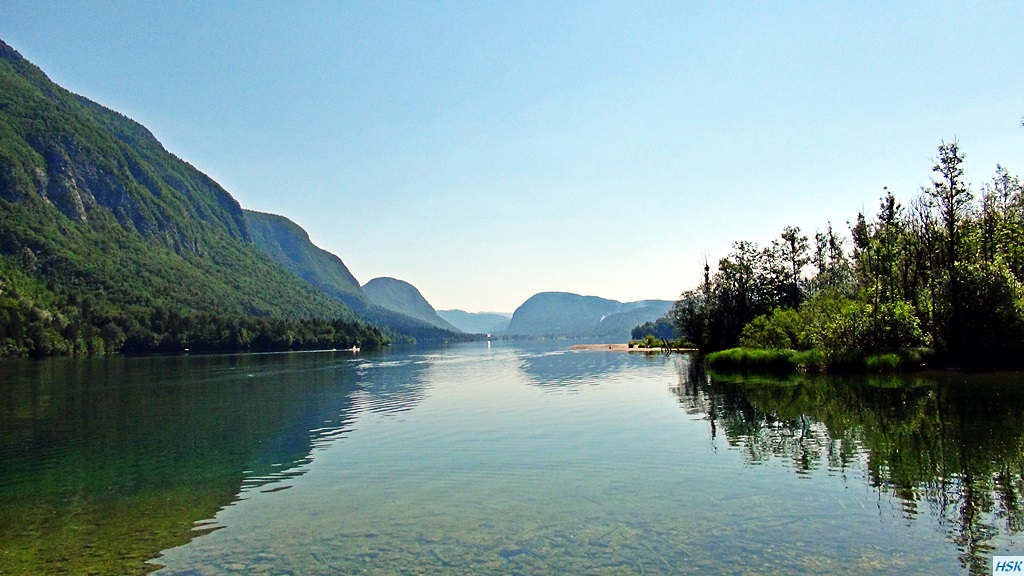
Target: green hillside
(110,243)
(575,316)
(402,297)
(289,245)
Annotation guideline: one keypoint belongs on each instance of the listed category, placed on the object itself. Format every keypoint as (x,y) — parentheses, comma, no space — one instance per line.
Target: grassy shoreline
(813,361)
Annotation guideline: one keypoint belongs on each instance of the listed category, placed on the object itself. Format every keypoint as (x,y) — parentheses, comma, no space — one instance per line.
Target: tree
(951,196)
(1002,221)
(833,266)
(794,253)
(738,294)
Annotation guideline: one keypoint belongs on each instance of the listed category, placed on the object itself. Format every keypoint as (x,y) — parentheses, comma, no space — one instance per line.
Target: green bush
(887,362)
(813,360)
(753,359)
(779,331)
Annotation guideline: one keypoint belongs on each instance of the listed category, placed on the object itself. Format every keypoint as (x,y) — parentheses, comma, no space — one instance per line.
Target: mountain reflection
(391,384)
(951,446)
(108,461)
(572,369)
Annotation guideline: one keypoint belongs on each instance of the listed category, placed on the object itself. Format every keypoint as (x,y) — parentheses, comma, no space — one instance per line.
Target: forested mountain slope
(109,242)
(576,316)
(289,245)
(400,296)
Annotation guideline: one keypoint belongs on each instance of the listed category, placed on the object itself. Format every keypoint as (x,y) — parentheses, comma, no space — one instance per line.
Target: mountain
(289,245)
(575,316)
(109,242)
(476,322)
(400,296)
(620,325)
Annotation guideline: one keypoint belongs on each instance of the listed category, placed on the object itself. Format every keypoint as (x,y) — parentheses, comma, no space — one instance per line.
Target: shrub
(778,332)
(887,362)
(813,360)
(753,359)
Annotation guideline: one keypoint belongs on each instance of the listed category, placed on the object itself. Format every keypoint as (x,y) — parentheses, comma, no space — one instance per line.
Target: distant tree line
(74,289)
(662,329)
(30,330)
(944,272)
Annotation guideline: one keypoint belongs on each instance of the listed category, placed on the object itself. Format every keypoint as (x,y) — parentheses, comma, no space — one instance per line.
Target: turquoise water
(497,459)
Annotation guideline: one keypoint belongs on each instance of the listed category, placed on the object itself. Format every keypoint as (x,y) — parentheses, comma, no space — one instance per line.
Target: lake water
(498,459)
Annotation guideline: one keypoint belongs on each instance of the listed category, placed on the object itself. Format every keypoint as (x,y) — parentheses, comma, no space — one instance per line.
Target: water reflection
(392,383)
(953,444)
(108,461)
(574,369)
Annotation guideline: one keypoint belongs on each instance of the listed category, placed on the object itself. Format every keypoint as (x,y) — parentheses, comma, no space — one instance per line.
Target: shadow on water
(106,462)
(951,443)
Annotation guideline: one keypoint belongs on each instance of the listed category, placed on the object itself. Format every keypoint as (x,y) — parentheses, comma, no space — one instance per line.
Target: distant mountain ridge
(289,244)
(108,242)
(477,322)
(570,315)
(400,296)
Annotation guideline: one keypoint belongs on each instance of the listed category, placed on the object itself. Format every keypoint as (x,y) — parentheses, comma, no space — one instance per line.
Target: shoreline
(626,348)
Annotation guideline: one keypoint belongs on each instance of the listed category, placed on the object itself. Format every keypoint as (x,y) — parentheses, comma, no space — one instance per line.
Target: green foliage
(662,329)
(753,359)
(993,315)
(943,273)
(650,341)
(780,330)
(750,282)
(887,362)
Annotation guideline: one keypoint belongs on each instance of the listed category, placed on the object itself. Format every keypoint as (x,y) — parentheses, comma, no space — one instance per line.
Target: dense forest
(662,329)
(940,275)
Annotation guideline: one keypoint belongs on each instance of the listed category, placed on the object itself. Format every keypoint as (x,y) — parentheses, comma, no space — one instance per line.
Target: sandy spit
(616,348)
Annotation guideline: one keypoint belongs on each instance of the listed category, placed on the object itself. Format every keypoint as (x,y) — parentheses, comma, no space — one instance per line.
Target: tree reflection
(953,444)
(108,461)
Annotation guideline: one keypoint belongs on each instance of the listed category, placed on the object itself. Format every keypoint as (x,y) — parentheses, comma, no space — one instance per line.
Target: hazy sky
(487,151)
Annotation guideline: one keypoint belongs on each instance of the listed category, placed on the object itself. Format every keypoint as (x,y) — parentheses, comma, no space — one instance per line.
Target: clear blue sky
(487,151)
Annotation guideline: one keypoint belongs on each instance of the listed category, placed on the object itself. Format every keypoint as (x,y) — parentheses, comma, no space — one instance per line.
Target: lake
(521,458)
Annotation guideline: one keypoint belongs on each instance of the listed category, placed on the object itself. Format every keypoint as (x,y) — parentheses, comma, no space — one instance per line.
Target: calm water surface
(508,458)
